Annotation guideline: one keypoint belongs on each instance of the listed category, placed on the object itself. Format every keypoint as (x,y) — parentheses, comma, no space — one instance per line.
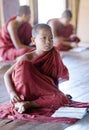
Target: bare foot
(22,106)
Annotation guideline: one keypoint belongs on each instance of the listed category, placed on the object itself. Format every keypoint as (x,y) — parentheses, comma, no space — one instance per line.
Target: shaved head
(24,10)
(38,27)
(67,14)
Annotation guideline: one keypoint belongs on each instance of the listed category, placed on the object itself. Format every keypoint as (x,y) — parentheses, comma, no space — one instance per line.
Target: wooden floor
(77,86)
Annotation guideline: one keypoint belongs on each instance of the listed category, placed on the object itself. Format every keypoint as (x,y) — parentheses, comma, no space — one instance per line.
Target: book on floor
(70,112)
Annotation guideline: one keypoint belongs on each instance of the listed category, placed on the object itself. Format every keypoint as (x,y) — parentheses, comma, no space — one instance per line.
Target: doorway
(48,9)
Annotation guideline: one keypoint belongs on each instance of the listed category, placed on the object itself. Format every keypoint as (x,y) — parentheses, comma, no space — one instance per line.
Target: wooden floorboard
(77,86)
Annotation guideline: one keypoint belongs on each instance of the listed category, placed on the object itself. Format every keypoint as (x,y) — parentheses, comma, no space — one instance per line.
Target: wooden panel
(10,8)
(83,21)
(1,14)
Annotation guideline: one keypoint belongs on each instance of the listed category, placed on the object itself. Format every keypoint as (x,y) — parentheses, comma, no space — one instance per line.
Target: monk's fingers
(14,97)
(17,99)
(13,101)
(74,44)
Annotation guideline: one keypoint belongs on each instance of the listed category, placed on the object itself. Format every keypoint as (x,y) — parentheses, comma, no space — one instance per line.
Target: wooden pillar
(34,11)
(1,14)
(83,22)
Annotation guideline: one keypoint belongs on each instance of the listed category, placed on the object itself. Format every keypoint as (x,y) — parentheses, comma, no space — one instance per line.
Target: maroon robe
(42,75)
(36,80)
(7,48)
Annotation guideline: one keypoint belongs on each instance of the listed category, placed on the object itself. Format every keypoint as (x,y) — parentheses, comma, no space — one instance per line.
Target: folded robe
(36,80)
(7,49)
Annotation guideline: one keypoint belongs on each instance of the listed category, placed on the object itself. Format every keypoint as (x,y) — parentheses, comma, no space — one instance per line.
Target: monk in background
(15,35)
(64,38)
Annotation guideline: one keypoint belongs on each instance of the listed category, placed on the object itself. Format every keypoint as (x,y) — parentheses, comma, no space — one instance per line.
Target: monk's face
(27,17)
(66,21)
(44,40)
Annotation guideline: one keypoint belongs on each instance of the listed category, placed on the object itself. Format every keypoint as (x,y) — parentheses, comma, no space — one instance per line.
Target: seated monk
(15,35)
(64,38)
(32,82)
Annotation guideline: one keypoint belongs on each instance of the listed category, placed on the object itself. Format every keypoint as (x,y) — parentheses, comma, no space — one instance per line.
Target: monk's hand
(14,97)
(74,44)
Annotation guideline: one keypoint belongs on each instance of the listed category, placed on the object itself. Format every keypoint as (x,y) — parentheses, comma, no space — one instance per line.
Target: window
(48,9)
(23,2)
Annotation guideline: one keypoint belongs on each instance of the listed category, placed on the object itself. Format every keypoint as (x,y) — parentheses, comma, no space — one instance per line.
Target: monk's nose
(48,41)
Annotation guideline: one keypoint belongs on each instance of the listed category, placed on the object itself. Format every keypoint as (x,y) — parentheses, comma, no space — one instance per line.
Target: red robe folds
(36,80)
(7,49)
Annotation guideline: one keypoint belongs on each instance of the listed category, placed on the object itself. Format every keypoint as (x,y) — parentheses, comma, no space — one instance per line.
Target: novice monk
(64,38)
(15,35)
(33,80)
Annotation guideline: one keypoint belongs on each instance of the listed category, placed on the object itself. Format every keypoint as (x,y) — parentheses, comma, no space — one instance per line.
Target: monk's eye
(51,38)
(44,38)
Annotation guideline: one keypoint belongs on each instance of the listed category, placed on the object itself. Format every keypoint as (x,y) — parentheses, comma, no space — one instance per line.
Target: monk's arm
(7,75)
(13,31)
(9,83)
(65,42)
(10,87)
(54,29)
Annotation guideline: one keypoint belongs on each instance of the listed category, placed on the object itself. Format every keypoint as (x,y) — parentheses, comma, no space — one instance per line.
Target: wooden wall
(10,8)
(1,14)
(83,21)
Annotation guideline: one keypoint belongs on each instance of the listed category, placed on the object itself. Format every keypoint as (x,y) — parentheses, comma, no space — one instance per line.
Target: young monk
(15,35)
(33,81)
(63,32)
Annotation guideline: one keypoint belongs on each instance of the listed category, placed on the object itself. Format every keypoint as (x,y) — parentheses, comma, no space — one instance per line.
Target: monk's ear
(33,40)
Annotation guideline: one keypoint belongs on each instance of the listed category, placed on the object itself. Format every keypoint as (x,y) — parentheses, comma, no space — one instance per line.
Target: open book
(70,112)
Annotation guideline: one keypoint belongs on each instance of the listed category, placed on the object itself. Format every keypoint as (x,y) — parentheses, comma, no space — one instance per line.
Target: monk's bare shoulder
(12,25)
(53,21)
(54,24)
